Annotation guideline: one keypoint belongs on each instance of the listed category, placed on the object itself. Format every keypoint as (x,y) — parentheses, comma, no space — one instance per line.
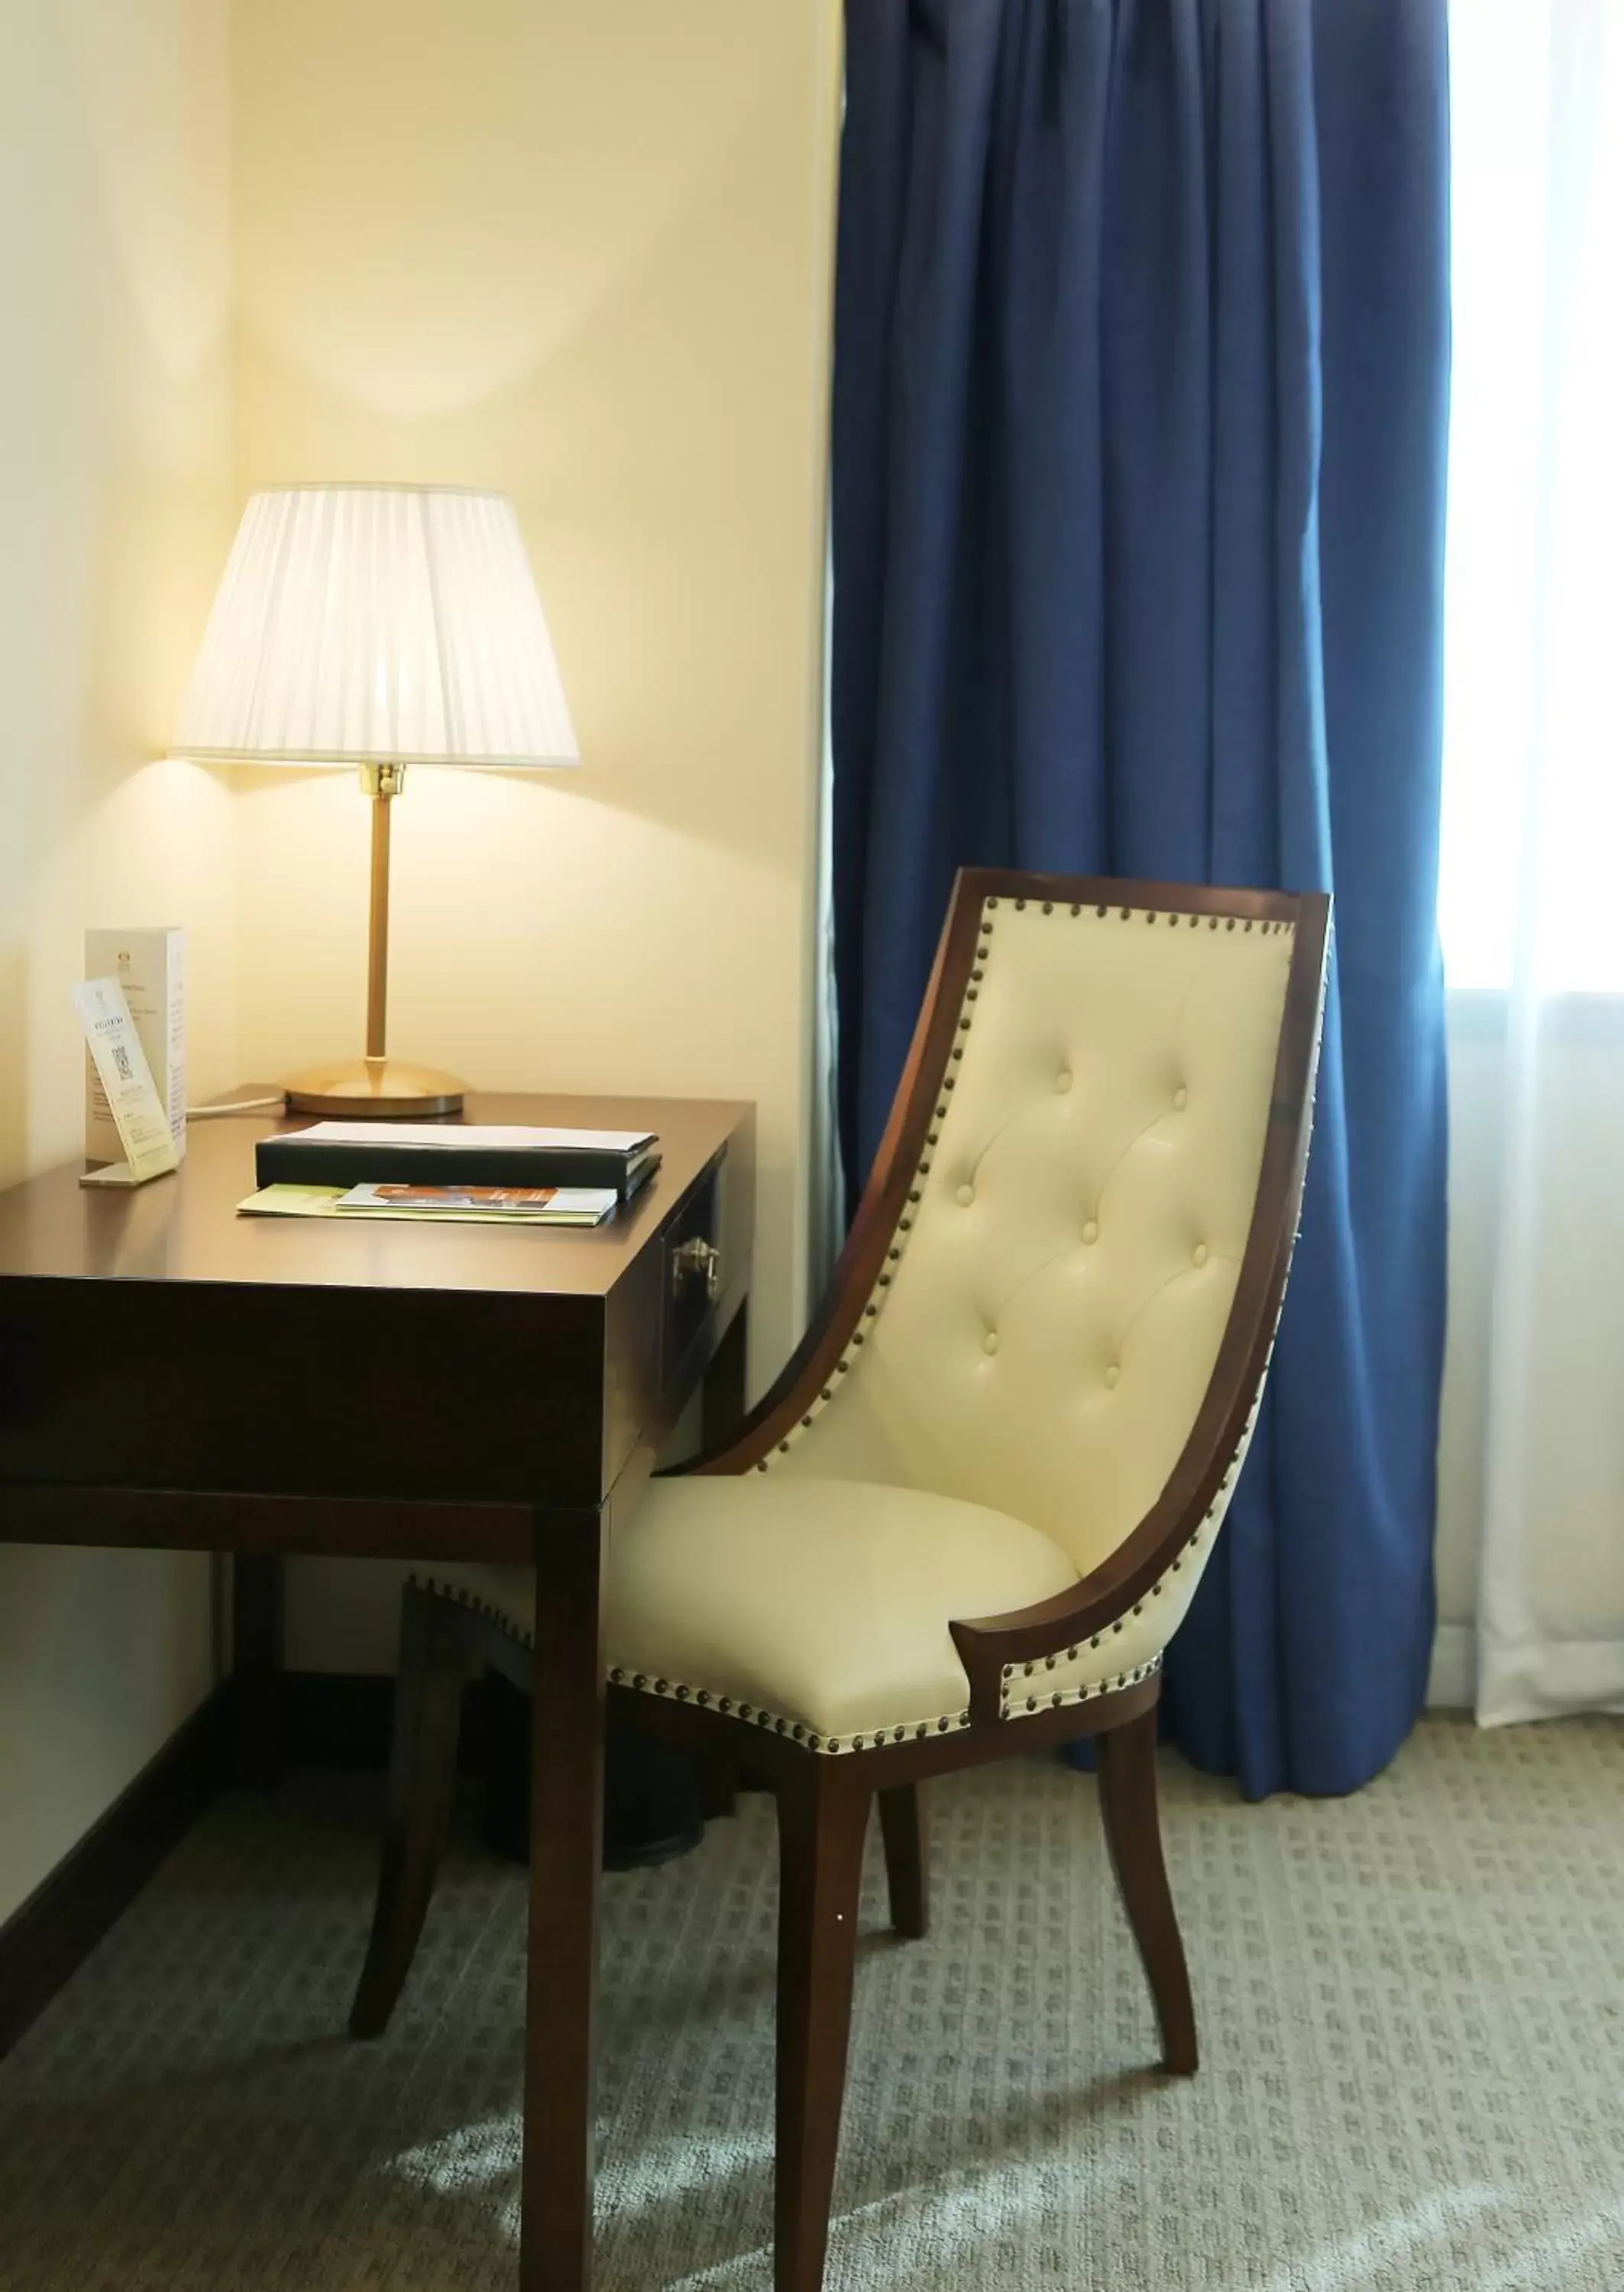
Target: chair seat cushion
(822,1604)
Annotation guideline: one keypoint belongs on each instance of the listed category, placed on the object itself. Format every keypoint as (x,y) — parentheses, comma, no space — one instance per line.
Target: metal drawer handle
(701,1257)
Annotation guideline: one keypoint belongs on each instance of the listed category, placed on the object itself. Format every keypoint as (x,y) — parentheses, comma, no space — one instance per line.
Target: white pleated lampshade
(377,625)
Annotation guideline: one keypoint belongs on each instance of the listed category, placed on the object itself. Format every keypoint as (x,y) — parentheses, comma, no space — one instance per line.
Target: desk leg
(721,1398)
(566,1850)
(722,1412)
(256,1667)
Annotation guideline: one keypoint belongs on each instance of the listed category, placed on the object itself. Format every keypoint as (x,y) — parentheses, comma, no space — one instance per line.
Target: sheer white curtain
(1532,896)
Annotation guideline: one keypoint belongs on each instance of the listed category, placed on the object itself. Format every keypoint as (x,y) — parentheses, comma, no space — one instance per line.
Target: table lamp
(383,626)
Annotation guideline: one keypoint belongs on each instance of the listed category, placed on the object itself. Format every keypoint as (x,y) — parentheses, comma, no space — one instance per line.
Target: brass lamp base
(390,1090)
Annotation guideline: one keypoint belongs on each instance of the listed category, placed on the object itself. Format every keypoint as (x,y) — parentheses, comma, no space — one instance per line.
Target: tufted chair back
(1046,1313)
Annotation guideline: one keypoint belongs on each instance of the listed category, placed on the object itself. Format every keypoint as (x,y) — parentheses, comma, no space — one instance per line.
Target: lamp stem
(376,1085)
(382,783)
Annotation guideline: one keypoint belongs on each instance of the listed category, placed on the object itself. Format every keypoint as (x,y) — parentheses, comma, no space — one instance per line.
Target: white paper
(595,1203)
(139,1114)
(460,1136)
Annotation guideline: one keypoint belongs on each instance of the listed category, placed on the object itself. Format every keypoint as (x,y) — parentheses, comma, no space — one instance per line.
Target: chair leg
(823,1816)
(435,1664)
(1127,1803)
(907,1869)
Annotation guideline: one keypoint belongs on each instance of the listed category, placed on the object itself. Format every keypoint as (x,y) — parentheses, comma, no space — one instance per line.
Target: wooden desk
(176,1376)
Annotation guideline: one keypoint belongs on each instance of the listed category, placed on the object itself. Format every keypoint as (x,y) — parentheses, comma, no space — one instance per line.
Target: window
(1532,861)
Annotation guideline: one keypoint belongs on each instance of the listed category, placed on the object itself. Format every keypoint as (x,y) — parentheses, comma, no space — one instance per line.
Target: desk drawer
(693,1275)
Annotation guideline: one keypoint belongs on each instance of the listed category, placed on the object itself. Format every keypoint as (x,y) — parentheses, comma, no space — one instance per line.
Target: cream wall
(117,483)
(581,254)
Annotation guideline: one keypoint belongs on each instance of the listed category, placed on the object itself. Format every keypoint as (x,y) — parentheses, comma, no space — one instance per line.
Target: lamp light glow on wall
(383,626)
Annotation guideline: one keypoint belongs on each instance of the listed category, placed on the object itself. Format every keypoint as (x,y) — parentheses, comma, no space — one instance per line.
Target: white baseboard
(1451,1683)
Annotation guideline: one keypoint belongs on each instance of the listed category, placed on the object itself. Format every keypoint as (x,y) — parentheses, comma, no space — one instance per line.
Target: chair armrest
(1068,1621)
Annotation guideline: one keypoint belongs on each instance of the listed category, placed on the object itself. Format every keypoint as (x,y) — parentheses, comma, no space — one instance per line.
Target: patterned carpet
(1411,2003)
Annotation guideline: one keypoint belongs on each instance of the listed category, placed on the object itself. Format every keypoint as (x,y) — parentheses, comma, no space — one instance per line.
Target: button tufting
(1090,1233)
(1201,1253)
(966,1194)
(1181,1098)
(989,1344)
(1113,1375)
(1063,1080)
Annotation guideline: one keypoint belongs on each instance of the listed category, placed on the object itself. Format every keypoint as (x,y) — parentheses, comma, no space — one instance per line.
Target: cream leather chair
(972,1512)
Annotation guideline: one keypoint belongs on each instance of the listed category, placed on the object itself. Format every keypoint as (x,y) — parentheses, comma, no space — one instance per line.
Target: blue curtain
(1141,382)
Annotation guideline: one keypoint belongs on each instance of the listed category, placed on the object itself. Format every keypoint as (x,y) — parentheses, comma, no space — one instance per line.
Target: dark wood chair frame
(823,1801)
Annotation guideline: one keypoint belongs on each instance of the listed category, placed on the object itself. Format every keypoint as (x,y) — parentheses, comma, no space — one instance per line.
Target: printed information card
(138,1115)
(149,963)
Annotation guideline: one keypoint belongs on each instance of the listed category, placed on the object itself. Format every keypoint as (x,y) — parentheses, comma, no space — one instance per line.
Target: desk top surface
(184,1227)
